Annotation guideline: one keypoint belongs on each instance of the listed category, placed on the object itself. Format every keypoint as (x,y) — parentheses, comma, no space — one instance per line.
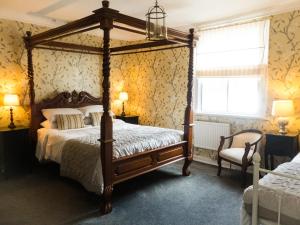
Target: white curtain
(234,50)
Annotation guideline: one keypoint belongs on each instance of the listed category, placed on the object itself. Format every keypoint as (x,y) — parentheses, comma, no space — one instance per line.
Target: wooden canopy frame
(106,19)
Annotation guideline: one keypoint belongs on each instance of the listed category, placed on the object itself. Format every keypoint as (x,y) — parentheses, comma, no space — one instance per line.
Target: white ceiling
(181,13)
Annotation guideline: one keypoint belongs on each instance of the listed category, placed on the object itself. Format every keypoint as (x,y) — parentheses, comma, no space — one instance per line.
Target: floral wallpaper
(54,71)
(156,84)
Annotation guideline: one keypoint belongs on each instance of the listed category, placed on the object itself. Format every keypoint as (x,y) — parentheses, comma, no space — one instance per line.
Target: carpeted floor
(162,197)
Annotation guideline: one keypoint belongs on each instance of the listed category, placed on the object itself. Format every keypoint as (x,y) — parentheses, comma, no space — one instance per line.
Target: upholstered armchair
(241,148)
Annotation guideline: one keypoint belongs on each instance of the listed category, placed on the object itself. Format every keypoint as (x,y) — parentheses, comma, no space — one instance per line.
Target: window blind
(235,50)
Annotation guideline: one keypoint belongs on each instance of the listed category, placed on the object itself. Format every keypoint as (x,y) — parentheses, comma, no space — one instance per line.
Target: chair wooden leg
(107,199)
(244,176)
(219,166)
(185,168)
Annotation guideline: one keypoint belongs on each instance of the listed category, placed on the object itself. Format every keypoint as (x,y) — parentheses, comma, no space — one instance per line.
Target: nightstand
(129,119)
(280,145)
(14,151)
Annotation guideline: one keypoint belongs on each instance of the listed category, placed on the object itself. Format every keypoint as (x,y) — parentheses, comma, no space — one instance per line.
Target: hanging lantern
(156,23)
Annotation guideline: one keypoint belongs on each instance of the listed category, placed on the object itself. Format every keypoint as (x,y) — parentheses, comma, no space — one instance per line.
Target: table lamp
(123,97)
(11,100)
(283,109)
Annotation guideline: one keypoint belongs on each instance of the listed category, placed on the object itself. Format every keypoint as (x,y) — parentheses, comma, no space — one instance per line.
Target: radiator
(207,134)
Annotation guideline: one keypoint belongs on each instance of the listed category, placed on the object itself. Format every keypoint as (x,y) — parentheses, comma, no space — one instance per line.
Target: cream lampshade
(11,100)
(283,109)
(123,96)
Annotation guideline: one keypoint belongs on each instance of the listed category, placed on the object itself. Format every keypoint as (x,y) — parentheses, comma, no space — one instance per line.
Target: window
(230,69)
(233,96)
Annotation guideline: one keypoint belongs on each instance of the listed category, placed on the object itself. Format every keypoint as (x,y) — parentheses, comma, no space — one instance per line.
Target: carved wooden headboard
(62,100)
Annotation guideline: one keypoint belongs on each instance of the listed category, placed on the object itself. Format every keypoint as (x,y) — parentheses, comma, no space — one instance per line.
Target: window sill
(232,116)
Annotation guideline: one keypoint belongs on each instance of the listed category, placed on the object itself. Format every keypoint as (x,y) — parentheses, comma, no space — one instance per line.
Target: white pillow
(91,109)
(50,114)
(48,125)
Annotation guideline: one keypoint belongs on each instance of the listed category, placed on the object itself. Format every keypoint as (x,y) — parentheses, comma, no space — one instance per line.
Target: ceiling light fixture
(156,23)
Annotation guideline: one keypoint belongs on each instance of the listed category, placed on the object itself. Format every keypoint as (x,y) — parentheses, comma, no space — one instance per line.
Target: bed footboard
(131,166)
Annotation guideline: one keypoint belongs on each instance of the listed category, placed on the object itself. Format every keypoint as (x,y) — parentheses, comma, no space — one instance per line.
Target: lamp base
(282,123)
(12,126)
(123,110)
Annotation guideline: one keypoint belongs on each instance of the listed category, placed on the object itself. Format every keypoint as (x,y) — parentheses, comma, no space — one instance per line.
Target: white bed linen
(51,141)
(272,187)
(73,148)
(296,159)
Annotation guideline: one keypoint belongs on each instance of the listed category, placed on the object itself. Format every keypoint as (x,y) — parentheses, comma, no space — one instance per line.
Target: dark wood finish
(142,45)
(106,24)
(62,100)
(67,50)
(131,166)
(72,46)
(30,72)
(30,77)
(149,50)
(129,119)
(69,27)
(130,30)
(188,116)
(14,152)
(114,171)
(280,145)
(245,162)
(69,34)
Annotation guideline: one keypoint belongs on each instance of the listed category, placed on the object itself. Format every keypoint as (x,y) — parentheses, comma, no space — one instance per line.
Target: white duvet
(78,150)
(135,138)
(272,188)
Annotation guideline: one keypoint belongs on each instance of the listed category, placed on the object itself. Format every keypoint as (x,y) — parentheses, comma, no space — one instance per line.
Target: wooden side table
(280,145)
(14,151)
(129,119)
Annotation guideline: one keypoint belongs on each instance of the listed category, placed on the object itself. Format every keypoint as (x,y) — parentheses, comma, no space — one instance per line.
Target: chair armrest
(222,141)
(247,149)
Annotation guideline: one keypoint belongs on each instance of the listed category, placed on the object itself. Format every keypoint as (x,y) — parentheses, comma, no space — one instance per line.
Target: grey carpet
(162,197)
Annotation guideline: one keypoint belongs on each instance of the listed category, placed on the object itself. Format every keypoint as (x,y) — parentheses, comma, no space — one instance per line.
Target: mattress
(246,219)
(278,194)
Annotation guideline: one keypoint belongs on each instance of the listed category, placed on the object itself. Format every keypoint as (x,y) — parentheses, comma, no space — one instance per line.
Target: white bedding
(78,150)
(51,141)
(272,188)
(296,158)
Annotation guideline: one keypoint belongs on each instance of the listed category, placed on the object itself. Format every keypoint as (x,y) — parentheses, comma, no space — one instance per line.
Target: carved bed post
(106,24)
(30,77)
(188,116)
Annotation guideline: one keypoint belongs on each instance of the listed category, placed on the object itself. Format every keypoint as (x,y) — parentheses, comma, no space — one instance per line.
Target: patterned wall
(156,84)
(54,71)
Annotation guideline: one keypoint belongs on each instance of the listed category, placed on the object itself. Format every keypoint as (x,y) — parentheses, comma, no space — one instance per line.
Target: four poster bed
(114,169)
